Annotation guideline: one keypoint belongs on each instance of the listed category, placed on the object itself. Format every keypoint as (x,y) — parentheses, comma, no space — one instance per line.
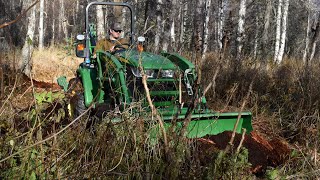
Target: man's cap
(116,26)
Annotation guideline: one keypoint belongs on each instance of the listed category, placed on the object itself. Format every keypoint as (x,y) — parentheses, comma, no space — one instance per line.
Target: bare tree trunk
(307,40)
(206,29)
(159,27)
(63,20)
(100,22)
(169,29)
(53,24)
(174,14)
(221,23)
(198,27)
(278,30)
(315,38)
(284,31)
(76,11)
(26,64)
(265,33)
(183,25)
(74,16)
(256,35)
(242,14)
(173,35)
(41,30)
(117,12)
(59,21)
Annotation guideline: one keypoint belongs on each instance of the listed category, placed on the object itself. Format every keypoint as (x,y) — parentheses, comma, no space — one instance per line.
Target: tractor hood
(148,60)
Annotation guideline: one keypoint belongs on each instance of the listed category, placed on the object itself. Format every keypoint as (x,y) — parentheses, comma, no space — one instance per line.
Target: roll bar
(87,51)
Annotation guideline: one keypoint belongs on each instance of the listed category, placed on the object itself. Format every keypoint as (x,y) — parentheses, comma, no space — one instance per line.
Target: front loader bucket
(209,123)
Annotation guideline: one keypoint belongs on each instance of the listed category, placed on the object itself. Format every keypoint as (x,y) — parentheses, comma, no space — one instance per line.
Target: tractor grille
(163,92)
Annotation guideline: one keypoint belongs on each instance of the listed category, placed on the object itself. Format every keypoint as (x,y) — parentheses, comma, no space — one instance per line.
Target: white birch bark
(172,33)
(59,21)
(306,49)
(125,22)
(159,27)
(221,21)
(135,15)
(53,24)
(206,29)
(255,48)
(41,30)
(169,31)
(165,42)
(63,21)
(315,38)
(74,13)
(307,39)
(278,30)
(284,31)
(100,22)
(77,11)
(198,27)
(183,25)
(182,20)
(265,33)
(242,14)
(26,63)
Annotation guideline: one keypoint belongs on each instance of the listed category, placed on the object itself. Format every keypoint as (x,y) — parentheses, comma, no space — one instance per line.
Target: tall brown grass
(51,63)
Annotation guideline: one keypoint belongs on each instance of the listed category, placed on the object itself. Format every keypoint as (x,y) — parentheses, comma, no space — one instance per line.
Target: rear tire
(77,105)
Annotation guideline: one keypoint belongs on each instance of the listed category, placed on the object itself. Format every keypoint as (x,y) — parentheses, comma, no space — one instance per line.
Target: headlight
(148,72)
(136,72)
(167,73)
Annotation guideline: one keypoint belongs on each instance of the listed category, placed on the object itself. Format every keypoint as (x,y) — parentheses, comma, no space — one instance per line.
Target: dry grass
(51,63)
(48,64)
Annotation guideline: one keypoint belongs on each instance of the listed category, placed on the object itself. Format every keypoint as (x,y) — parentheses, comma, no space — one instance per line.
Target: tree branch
(19,17)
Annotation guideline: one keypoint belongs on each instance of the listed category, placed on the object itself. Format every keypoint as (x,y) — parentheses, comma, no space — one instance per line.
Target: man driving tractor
(110,43)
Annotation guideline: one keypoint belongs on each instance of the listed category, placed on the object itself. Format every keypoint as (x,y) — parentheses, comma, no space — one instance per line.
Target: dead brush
(50,63)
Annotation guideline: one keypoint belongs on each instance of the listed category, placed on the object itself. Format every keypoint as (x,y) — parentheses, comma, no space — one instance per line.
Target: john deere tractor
(131,75)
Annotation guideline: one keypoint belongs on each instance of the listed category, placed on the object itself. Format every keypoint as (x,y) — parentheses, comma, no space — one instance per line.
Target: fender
(89,82)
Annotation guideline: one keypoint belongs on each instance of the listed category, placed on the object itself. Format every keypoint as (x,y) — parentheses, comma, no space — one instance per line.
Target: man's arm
(99,46)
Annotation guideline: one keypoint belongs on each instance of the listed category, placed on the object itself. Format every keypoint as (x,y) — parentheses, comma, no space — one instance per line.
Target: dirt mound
(262,152)
(41,84)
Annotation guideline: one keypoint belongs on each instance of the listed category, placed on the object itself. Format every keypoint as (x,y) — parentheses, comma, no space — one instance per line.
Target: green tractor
(119,79)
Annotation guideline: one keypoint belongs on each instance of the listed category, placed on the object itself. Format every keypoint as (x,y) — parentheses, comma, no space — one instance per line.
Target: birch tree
(159,27)
(100,21)
(41,30)
(172,28)
(278,30)
(242,14)
(63,20)
(198,27)
(26,64)
(53,23)
(169,26)
(265,33)
(284,32)
(256,35)
(206,29)
(183,20)
(307,39)
(315,38)
(220,24)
